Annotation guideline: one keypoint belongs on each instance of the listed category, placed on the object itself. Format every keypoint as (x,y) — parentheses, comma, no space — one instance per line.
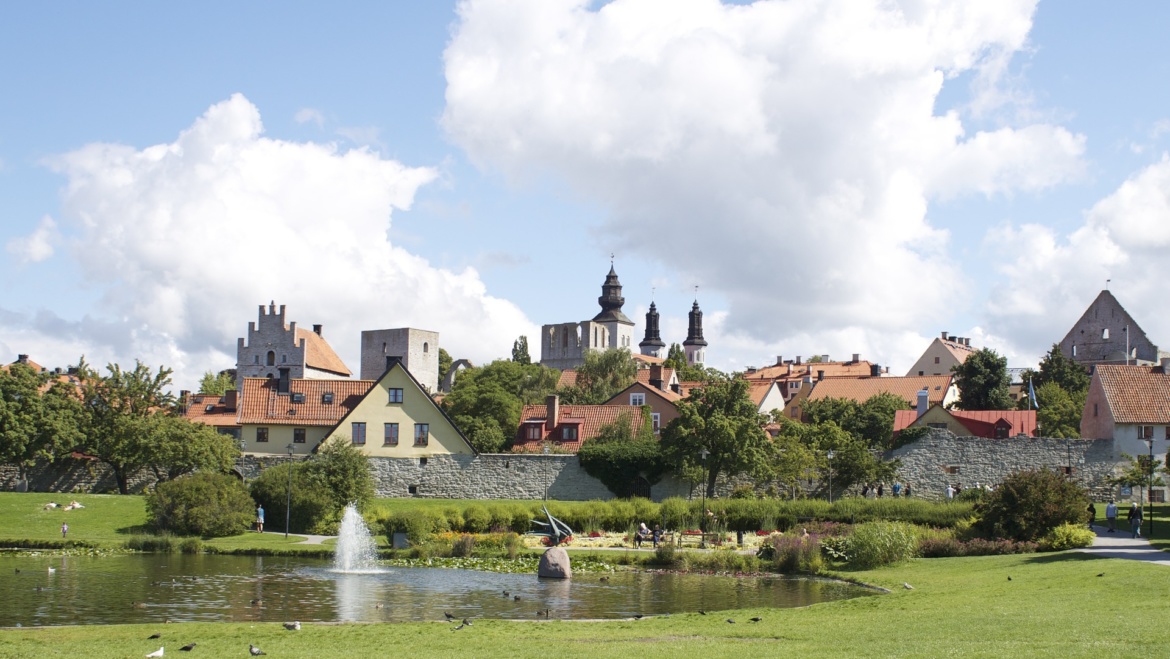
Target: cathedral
(564,345)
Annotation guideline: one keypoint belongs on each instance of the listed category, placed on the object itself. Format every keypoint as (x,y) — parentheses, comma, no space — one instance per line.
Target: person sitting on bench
(643,533)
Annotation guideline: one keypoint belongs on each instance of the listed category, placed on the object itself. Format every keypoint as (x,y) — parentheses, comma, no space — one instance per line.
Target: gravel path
(1119,544)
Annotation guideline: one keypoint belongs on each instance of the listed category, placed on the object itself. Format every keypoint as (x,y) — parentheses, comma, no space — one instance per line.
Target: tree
(676,357)
(1138,472)
(520,351)
(35,425)
(621,453)
(485,402)
(177,446)
(445,363)
(983,382)
(853,461)
(1063,372)
(1029,504)
(1058,413)
(871,421)
(217,384)
(206,504)
(118,411)
(604,373)
(721,419)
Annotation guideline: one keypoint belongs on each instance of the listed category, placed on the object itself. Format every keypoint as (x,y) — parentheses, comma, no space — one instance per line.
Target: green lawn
(1055,605)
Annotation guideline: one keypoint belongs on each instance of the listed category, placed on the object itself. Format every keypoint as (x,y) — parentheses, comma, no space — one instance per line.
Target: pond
(138,588)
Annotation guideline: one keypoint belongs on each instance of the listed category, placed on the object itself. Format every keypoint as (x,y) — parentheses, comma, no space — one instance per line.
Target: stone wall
(70,475)
(940,458)
(487,476)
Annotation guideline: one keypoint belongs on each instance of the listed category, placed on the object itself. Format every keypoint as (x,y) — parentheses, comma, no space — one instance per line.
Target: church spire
(611,300)
(695,343)
(652,345)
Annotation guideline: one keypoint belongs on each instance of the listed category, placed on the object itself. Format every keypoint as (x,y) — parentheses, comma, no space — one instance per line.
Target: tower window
(426,347)
(255,359)
(1105,333)
(284,359)
(271,358)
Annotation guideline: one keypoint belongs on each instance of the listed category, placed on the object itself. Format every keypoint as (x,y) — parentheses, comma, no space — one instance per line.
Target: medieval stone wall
(70,475)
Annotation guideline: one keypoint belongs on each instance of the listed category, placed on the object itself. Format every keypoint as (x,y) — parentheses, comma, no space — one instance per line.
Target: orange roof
(798,371)
(981,423)
(666,394)
(647,359)
(758,390)
(1135,394)
(643,375)
(37,368)
(319,354)
(686,387)
(959,350)
(261,404)
(210,411)
(589,420)
(862,389)
(568,379)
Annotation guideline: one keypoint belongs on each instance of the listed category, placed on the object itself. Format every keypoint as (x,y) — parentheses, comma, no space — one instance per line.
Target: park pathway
(1119,544)
(308,539)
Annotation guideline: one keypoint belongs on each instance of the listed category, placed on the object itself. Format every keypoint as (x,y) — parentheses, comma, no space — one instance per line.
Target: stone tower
(621,328)
(274,349)
(417,349)
(1107,334)
(652,345)
(695,346)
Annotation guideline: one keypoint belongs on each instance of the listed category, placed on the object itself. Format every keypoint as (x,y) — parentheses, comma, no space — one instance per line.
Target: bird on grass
(638,616)
(257,602)
(1009,577)
(516,598)
(17,571)
(294,626)
(731,621)
(1101,575)
(153,636)
(138,605)
(156,653)
(448,616)
(467,622)
(187,648)
(52,569)
(702,612)
(757,619)
(603,579)
(461,626)
(507,594)
(255,651)
(379,605)
(907,586)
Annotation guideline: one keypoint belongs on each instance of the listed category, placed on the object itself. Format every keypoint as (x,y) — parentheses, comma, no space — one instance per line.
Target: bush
(418,526)
(875,544)
(204,504)
(313,506)
(476,519)
(463,546)
(1028,505)
(163,544)
(792,554)
(743,492)
(835,547)
(1067,536)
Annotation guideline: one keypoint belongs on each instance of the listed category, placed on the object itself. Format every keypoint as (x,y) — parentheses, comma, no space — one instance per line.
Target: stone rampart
(70,475)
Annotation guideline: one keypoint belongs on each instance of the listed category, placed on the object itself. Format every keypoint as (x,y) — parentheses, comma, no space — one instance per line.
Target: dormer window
(569,433)
(532,431)
(327,398)
(207,409)
(298,398)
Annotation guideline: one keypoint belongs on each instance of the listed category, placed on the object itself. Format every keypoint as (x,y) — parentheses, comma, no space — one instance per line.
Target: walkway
(308,539)
(1119,544)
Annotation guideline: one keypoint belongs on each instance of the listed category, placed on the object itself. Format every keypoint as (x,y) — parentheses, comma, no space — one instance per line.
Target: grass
(1054,606)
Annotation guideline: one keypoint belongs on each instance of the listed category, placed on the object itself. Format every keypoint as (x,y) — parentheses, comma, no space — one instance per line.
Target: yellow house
(398,419)
(276,413)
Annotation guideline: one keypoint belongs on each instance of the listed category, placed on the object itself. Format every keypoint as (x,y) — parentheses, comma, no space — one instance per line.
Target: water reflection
(137,588)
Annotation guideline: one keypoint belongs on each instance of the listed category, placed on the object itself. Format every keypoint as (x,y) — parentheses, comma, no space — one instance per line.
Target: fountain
(355,551)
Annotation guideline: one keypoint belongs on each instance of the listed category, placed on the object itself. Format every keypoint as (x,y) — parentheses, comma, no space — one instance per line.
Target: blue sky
(836,177)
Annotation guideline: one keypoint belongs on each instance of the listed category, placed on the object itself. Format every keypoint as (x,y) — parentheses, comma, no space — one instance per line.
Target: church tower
(621,328)
(652,345)
(695,346)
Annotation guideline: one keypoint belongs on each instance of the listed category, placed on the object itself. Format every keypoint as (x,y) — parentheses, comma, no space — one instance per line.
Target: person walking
(907,490)
(1111,515)
(260,519)
(950,492)
(1134,517)
(881,489)
(897,488)
(64,529)
(1092,515)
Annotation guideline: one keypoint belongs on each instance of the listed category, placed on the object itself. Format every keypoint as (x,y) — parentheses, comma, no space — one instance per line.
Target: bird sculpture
(757,619)
(156,653)
(153,636)
(187,648)
(255,651)
(907,586)
(294,626)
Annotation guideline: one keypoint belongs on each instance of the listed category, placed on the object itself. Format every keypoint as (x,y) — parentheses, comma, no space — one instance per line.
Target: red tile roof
(261,404)
(210,411)
(319,354)
(1135,394)
(757,390)
(832,369)
(589,420)
(643,375)
(568,379)
(981,423)
(862,389)
(647,359)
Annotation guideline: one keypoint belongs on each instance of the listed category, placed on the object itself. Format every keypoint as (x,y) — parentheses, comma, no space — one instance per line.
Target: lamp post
(288,500)
(830,455)
(703,453)
(1150,486)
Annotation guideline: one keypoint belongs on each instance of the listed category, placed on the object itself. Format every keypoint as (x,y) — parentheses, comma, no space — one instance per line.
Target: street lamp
(1150,487)
(288,501)
(830,454)
(703,453)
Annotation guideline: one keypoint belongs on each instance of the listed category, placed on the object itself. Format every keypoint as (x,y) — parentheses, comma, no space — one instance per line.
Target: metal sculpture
(556,531)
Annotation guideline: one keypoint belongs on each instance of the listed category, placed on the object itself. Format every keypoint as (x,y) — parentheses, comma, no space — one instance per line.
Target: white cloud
(784,153)
(186,239)
(306,115)
(38,245)
(1051,279)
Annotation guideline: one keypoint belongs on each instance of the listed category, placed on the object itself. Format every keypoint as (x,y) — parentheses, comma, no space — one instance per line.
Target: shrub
(836,548)
(665,554)
(463,545)
(1028,505)
(982,547)
(1067,536)
(743,492)
(941,548)
(164,544)
(313,505)
(793,554)
(678,513)
(191,546)
(875,544)
(418,526)
(205,504)
(476,519)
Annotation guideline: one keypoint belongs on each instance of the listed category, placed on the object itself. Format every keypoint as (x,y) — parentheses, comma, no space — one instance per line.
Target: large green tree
(119,407)
(1059,413)
(622,452)
(853,461)
(39,417)
(983,382)
(871,421)
(216,384)
(485,402)
(604,374)
(520,351)
(721,419)
(676,358)
(1063,372)
(177,446)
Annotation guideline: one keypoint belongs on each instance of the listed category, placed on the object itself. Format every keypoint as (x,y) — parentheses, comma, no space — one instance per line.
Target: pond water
(138,588)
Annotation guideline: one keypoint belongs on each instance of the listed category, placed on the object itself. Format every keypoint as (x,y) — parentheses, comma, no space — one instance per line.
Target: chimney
(749,370)
(967,342)
(875,370)
(554,412)
(790,368)
(22,359)
(856,357)
(317,329)
(952,339)
(779,360)
(944,335)
(184,399)
(656,376)
(923,402)
(798,360)
(824,358)
(820,375)
(230,399)
(676,388)
(1165,361)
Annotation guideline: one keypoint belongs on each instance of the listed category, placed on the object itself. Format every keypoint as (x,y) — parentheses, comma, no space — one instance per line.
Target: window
(298,435)
(936,360)
(1094,409)
(261,435)
(952,469)
(426,348)
(532,431)
(1157,496)
(255,359)
(359,433)
(327,398)
(1167,432)
(284,359)
(422,434)
(1001,432)
(1147,432)
(298,397)
(569,433)
(657,421)
(920,372)
(391,431)
(208,408)
(413,489)
(637,400)
(271,358)
(794,385)
(1074,350)
(1105,333)
(395,395)
(422,462)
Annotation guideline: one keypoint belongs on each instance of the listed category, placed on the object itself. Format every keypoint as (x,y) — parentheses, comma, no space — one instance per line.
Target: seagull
(455,629)
(52,569)
(378,605)
(907,586)
(731,621)
(254,651)
(448,615)
(294,626)
(156,653)
(467,621)
(153,636)
(187,648)
(757,619)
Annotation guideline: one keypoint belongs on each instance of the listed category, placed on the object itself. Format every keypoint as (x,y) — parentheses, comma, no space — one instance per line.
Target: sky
(823,176)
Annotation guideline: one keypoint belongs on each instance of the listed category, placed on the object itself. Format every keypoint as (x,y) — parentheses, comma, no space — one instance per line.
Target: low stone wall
(487,476)
(940,458)
(71,475)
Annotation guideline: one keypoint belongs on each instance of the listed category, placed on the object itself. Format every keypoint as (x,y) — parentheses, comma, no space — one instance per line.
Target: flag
(1032,396)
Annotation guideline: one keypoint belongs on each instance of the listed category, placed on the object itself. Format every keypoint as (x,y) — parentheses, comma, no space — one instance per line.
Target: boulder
(554,564)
